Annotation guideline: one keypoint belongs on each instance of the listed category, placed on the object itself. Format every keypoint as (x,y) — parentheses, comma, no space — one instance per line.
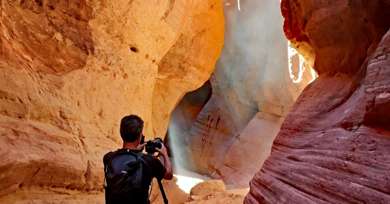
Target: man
(128,171)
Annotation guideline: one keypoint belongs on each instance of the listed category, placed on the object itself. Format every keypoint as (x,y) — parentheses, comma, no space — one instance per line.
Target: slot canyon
(260,101)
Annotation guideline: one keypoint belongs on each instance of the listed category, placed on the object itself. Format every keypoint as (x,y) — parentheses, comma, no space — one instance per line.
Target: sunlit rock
(253,87)
(214,192)
(70,70)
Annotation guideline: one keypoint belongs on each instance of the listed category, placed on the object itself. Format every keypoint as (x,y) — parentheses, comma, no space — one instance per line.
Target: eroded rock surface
(334,146)
(251,93)
(69,70)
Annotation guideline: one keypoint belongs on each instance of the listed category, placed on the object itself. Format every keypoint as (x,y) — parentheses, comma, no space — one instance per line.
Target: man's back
(128,176)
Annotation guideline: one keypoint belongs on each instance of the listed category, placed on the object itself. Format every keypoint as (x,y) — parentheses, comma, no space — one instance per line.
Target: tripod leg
(162,192)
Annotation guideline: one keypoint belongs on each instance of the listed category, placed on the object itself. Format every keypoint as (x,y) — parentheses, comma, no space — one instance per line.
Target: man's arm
(163,156)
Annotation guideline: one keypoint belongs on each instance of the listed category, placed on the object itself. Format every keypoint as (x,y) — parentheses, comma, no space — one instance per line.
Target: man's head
(131,128)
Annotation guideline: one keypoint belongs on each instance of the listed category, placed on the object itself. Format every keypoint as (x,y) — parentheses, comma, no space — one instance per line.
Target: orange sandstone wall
(69,70)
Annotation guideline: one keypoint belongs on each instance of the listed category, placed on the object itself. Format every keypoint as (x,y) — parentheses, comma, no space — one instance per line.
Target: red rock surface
(334,146)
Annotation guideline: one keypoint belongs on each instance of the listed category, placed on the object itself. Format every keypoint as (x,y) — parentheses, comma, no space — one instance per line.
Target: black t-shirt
(153,168)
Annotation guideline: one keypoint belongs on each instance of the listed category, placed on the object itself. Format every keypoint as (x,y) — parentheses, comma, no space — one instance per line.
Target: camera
(152,145)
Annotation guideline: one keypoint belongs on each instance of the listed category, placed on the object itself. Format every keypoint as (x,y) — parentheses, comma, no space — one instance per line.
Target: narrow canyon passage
(225,129)
(259,101)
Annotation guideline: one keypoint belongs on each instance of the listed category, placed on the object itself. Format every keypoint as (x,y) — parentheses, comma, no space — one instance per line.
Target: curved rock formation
(334,146)
(182,118)
(71,69)
(251,93)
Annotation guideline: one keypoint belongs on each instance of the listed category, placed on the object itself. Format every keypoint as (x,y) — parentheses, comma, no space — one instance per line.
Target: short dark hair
(131,128)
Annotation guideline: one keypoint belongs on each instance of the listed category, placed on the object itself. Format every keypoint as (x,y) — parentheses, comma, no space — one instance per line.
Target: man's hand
(163,150)
(166,162)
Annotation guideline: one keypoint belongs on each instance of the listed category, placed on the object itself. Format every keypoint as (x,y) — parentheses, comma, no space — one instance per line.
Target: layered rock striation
(69,70)
(334,145)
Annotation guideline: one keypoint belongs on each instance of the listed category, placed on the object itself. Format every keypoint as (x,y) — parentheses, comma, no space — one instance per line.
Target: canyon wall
(334,145)
(70,70)
(251,93)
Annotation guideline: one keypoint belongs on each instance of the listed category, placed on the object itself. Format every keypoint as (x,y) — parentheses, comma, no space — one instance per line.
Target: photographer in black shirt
(128,171)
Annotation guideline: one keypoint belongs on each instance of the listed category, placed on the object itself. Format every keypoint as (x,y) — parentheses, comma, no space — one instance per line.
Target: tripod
(162,191)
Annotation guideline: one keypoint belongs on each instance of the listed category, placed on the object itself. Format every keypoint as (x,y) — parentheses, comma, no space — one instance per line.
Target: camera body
(152,145)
